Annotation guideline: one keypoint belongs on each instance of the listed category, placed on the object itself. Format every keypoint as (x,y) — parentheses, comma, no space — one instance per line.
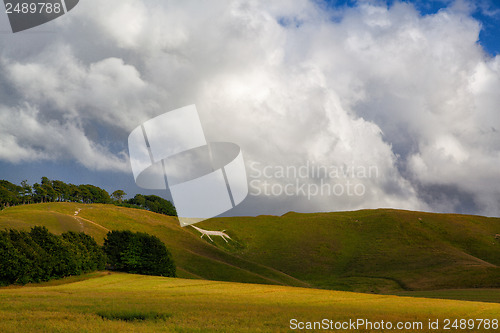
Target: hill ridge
(377,250)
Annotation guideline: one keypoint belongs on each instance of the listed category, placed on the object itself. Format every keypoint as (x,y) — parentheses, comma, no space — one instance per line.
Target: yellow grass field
(117,302)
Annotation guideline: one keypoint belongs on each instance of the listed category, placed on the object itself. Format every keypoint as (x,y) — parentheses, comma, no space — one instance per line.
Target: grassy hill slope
(370,250)
(373,250)
(194,257)
(110,303)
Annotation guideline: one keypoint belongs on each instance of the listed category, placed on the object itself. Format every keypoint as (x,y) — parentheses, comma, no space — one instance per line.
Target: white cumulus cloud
(294,83)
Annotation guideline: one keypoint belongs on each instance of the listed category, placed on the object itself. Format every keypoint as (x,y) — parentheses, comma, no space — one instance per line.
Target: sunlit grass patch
(135,303)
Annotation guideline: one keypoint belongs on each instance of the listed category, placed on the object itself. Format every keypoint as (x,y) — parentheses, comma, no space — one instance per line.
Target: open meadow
(121,302)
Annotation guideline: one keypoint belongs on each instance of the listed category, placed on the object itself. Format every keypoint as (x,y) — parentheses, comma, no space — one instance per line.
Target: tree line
(152,203)
(58,191)
(38,255)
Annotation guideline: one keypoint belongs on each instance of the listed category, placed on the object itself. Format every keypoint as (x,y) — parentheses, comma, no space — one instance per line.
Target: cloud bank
(293,83)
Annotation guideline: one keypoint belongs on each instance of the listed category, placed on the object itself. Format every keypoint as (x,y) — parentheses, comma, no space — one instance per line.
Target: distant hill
(380,250)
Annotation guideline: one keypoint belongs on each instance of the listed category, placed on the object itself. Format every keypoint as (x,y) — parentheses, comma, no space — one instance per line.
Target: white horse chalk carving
(213,233)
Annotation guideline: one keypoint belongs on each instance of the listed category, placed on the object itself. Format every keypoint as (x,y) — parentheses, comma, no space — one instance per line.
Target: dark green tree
(138,253)
(154,203)
(118,195)
(39,255)
(88,255)
(11,260)
(37,265)
(40,193)
(27,192)
(61,189)
(10,194)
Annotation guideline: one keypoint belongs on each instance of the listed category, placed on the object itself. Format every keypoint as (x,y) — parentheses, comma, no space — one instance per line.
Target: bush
(11,261)
(39,255)
(152,203)
(37,264)
(88,254)
(138,253)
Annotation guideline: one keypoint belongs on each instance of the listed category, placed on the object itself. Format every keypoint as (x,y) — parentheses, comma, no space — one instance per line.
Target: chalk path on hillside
(84,219)
(89,221)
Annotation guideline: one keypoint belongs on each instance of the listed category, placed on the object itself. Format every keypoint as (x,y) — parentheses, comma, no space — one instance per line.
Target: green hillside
(374,250)
(134,303)
(194,257)
(370,250)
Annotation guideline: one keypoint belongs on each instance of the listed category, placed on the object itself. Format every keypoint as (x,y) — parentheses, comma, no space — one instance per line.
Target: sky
(337,105)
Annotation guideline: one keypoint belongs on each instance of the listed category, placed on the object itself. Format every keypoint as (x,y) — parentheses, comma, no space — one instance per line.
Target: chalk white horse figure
(213,233)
